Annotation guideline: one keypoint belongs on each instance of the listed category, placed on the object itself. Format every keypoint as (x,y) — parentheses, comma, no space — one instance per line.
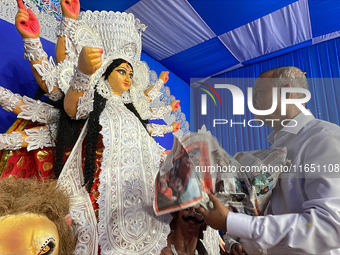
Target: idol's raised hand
(70,8)
(26,22)
(175,126)
(164,76)
(174,105)
(90,60)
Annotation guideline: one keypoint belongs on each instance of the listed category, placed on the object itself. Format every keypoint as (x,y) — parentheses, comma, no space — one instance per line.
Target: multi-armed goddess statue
(106,158)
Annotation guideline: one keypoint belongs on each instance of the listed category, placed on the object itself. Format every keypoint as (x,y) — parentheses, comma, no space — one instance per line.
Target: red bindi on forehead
(127,66)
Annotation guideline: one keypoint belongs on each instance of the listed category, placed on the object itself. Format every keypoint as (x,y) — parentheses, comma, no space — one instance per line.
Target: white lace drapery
(131,158)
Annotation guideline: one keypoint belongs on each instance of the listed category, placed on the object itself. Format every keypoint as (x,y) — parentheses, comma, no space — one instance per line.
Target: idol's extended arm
(160,130)
(27,108)
(28,26)
(154,91)
(160,112)
(32,138)
(70,11)
(80,93)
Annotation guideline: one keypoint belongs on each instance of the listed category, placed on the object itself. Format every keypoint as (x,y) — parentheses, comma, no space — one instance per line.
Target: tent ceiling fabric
(203,38)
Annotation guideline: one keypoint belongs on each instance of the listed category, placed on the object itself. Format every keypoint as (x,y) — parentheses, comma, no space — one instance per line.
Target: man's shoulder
(321,128)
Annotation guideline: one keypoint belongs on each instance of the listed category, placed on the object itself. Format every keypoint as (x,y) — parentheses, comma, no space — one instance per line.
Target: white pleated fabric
(175,24)
(280,29)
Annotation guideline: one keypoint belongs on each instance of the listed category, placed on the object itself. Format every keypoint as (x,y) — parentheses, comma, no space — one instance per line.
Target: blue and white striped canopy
(203,38)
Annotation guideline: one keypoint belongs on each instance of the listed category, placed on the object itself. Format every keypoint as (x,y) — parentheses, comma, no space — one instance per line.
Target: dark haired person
(188,226)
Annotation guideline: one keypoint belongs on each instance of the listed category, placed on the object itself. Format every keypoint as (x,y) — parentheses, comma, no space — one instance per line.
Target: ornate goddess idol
(130,158)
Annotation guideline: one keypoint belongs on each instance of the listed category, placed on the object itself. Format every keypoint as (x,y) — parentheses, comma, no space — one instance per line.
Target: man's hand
(90,60)
(26,22)
(216,217)
(237,249)
(164,76)
(70,8)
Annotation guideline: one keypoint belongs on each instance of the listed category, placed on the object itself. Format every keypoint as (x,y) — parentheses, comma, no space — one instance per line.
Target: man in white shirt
(304,215)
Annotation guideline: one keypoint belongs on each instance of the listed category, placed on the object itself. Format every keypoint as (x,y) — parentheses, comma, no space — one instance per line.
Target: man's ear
(288,94)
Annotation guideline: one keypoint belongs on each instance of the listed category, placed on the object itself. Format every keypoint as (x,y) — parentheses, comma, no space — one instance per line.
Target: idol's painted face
(121,78)
(28,234)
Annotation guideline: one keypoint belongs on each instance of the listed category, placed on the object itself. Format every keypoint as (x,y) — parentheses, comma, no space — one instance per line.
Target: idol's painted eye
(121,71)
(131,75)
(48,247)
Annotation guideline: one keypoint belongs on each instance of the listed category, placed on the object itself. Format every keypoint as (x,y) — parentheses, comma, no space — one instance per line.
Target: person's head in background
(280,77)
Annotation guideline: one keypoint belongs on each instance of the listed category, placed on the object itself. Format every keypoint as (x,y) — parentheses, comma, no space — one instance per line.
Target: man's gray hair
(289,75)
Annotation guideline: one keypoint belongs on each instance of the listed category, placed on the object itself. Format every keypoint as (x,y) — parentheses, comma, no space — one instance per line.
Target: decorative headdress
(119,35)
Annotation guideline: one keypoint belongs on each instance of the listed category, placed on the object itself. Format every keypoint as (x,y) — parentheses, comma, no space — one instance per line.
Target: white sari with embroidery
(131,159)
